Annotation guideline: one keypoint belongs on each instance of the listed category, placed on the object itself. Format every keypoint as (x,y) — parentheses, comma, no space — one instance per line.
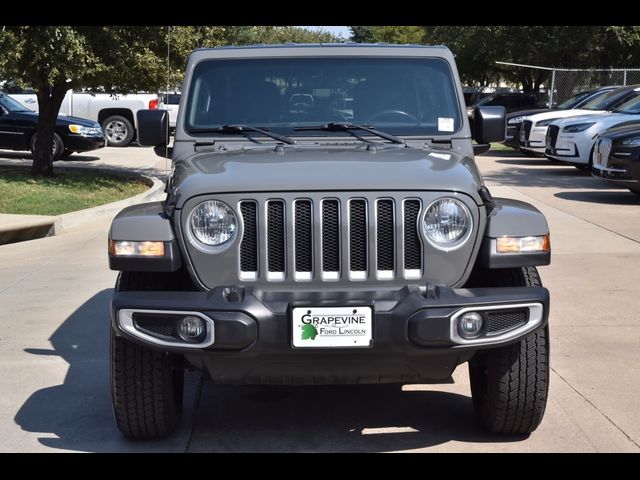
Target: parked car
(572,140)
(515,119)
(295,247)
(116,113)
(170,101)
(534,128)
(18,127)
(616,156)
(511,101)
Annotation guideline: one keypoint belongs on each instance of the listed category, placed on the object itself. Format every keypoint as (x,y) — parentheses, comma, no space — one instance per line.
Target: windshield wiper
(243,129)
(345,127)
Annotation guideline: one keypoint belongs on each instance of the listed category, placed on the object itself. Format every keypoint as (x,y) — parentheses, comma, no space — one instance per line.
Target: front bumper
(622,168)
(414,337)
(536,141)
(83,143)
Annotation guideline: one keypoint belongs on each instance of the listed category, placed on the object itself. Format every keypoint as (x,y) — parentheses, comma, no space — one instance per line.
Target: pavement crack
(596,408)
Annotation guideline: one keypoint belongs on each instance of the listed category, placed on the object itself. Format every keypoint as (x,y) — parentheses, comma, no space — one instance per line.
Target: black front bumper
(83,143)
(412,332)
(624,170)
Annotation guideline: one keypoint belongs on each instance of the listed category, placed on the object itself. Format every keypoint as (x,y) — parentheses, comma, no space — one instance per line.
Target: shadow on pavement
(548,175)
(612,197)
(76,415)
(332,419)
(78,412)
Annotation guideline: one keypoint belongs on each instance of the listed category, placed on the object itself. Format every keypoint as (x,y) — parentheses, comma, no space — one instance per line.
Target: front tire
(146,385)
(57,147)
(118,131)
(510,385)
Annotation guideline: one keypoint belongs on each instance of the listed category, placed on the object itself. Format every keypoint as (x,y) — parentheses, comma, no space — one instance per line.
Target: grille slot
(552,134)
(412,245)
(303,236)
(502,321)
(275,237)
(154,324)
(526,127)
(330,236)
(358,235)
(385,232)
(249,245)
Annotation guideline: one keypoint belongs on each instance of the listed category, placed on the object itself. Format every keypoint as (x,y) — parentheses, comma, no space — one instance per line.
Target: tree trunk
(49,102)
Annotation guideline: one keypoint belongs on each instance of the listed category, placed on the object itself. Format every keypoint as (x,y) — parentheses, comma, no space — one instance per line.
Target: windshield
(632,106)
(11,105)
(402,96)
(606,101)
(575,100)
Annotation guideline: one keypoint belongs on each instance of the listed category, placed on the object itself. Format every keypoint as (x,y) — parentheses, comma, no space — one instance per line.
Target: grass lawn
(67,192)
(501,147)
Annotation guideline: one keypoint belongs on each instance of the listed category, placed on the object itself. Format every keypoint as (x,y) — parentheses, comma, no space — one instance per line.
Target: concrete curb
(67,221)
(70,220)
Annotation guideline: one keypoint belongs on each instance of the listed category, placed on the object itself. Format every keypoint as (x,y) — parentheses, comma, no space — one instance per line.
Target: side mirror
(488,124)
(153,129)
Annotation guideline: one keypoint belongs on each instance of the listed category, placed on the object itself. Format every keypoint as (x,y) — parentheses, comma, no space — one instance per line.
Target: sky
(342,31)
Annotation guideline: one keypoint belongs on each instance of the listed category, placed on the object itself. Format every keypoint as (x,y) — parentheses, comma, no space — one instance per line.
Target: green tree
(53,59)
(388,34)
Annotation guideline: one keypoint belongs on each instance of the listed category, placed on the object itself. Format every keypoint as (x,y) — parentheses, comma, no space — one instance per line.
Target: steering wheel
(398,113)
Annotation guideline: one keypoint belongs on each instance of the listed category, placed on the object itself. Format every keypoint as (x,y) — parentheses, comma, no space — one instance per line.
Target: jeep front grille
(331,239)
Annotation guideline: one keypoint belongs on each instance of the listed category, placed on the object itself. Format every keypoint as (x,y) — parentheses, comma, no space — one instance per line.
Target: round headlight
(213,223)
(447,223)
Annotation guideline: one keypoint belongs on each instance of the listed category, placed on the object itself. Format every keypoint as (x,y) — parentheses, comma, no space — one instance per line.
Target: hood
(66,120)
(528,113)
(606,120)
(576,112)
(325,169)
(623,131)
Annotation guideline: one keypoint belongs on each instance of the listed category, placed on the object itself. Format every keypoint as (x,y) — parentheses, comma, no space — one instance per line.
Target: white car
(572,139)
(170,101)
(534,128)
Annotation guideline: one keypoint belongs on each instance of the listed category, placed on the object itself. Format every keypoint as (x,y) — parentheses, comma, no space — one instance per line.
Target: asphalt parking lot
(54,379)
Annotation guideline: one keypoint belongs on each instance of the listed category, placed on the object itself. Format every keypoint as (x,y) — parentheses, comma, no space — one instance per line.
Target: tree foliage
(388,34)
(477,48)
(53,59)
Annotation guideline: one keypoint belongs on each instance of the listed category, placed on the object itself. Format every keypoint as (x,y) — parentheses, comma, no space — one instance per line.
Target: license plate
(598,158)
(522,136)
(330,327)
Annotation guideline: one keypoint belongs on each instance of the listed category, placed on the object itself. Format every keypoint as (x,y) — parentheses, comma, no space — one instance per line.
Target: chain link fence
(567,82)
(563,83)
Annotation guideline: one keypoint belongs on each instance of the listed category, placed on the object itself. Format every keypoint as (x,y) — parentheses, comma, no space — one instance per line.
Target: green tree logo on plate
(309,332)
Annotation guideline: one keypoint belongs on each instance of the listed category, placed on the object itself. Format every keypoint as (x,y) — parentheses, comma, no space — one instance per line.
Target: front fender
(145,222)
(513,218)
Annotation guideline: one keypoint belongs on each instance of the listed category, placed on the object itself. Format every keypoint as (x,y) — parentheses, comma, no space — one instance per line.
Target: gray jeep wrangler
(325,223)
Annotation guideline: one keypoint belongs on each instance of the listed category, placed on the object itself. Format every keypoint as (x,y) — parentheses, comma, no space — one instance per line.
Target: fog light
(470,324)
(191,328)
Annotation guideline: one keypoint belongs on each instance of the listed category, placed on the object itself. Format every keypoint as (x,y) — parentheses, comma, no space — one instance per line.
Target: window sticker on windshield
(445,124)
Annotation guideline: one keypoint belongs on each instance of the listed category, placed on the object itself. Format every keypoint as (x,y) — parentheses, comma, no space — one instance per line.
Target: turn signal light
(153,104)
(120,248)
(538,244)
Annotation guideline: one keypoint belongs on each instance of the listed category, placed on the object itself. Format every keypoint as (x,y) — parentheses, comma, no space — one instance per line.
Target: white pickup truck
(116,113)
